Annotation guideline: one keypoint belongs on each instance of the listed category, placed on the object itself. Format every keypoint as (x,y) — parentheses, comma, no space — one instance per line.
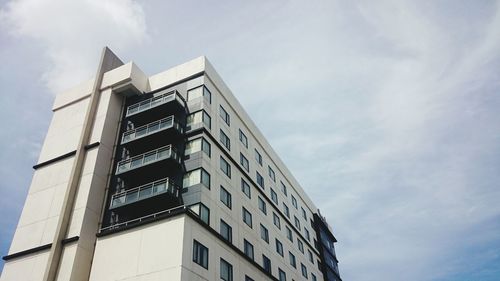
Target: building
(163,178)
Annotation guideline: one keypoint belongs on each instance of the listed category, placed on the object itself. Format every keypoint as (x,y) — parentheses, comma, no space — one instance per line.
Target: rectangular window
(294,202)
(276,221)
(281,274)
(271,173)
(225,167)
(310,255)
(274,196)
(226,231)
(204,214)
(243,139)
(266,264)
(258,157)
(225,197)
(199,117)
(196,177)
(301,245)
(200,254)
(304,270)
(293,261)
(284,189)
(289,234)
(196,145)
(224,115)
(247,217)
(226,270)
(304,214)
(260,179)
(198,92)
(286,210)
(244,162)
(297,222)
(308,236)
(279,247)
(248,278)
(224,139)
(248,248)
(245,188)
(262,205)
(313,277)
(264,233)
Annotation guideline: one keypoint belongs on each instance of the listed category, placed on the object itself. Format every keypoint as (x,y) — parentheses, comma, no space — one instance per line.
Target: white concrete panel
(27,237)
(30,267)
(67,262)
(177,73)
(49,230)
(51,175)
(74,94)
(37,206)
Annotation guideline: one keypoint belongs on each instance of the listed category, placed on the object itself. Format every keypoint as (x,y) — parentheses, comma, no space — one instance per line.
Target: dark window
(266,264)
(281,274)
(310,255)
(262,205)
(279,247)
(247,216)
(226,270)
(304,214)
(301,245)
(225,197)
(308,236)
(260,179)
(199,92)
(196,145)
(224,115)
(304,270)
(286,210)
(276,220)
(313,277)
(258,157)
(204,214)
(248,248)
(198,118)
(294,202)
(293,262)
(205,178)
(274,196)
(205,146)
(226,231)
(297,223)
(272,175)
(195,177)
(248,278)
(225,167)
(200,254)
(224,139)
(264,233)
(243,139)
(245,188)
(289,234)
(244,162)
(283,188)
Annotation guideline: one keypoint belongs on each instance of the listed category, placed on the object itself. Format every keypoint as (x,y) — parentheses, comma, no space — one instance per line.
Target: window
(301,245)
(266,264)
(281,274)
(260,179)
(225,167)
(284,189)
(304,214)
(293,262)
(286,210)
(294,202)
(226,270)
(247,217)
(304,270)
(289,234)
(198,92)
(264,233)
(276,220)
(258,157)
(262,205)
(196,145)
(248,248)
(244,162)
(308,236)
(243,139)
(245,188)
(310,256)
(198,117)
(248,278)
(226,231)
(195,177)
(204,213)
(200,254)
(279,247)
(224,115)
(225,197)
(297,222)
(313,277)
(271,173)
(274,196)
(224,139)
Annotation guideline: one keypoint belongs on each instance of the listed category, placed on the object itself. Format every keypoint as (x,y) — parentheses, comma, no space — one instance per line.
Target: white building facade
(163,178)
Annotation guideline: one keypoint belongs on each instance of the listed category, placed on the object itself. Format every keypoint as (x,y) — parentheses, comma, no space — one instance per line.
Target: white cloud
(72,33)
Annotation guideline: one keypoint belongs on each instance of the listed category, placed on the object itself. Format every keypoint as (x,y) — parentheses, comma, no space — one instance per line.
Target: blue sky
(387,112)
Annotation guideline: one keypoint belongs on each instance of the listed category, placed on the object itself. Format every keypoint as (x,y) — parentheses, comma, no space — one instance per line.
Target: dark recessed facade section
(325,245)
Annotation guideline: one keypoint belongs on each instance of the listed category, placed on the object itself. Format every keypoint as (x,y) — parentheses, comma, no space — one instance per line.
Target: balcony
(153,107)
(156,188)
(160,160)
(154,132)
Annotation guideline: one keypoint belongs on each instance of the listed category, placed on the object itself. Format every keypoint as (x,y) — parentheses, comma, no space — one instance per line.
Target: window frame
(229,231)
(246,215)
(228,197)
(243,138)
(224,115)
(225,167)
(199,250)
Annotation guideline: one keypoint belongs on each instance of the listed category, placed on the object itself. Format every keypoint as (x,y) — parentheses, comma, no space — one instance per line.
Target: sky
(386,112)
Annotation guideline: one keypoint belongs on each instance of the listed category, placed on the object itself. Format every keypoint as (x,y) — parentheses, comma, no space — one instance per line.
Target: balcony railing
(151,128)
(149,157)
(153,102)
(144,191)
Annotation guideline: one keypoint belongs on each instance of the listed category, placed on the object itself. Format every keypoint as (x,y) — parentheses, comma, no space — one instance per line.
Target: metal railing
(153,102)
(147,217)
(144,191)
(151,128)
(149,157)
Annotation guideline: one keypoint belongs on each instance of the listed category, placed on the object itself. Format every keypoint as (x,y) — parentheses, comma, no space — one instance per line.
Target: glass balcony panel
(145,192)
(149,157)
(154,127)
(136,163)
(140,132)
